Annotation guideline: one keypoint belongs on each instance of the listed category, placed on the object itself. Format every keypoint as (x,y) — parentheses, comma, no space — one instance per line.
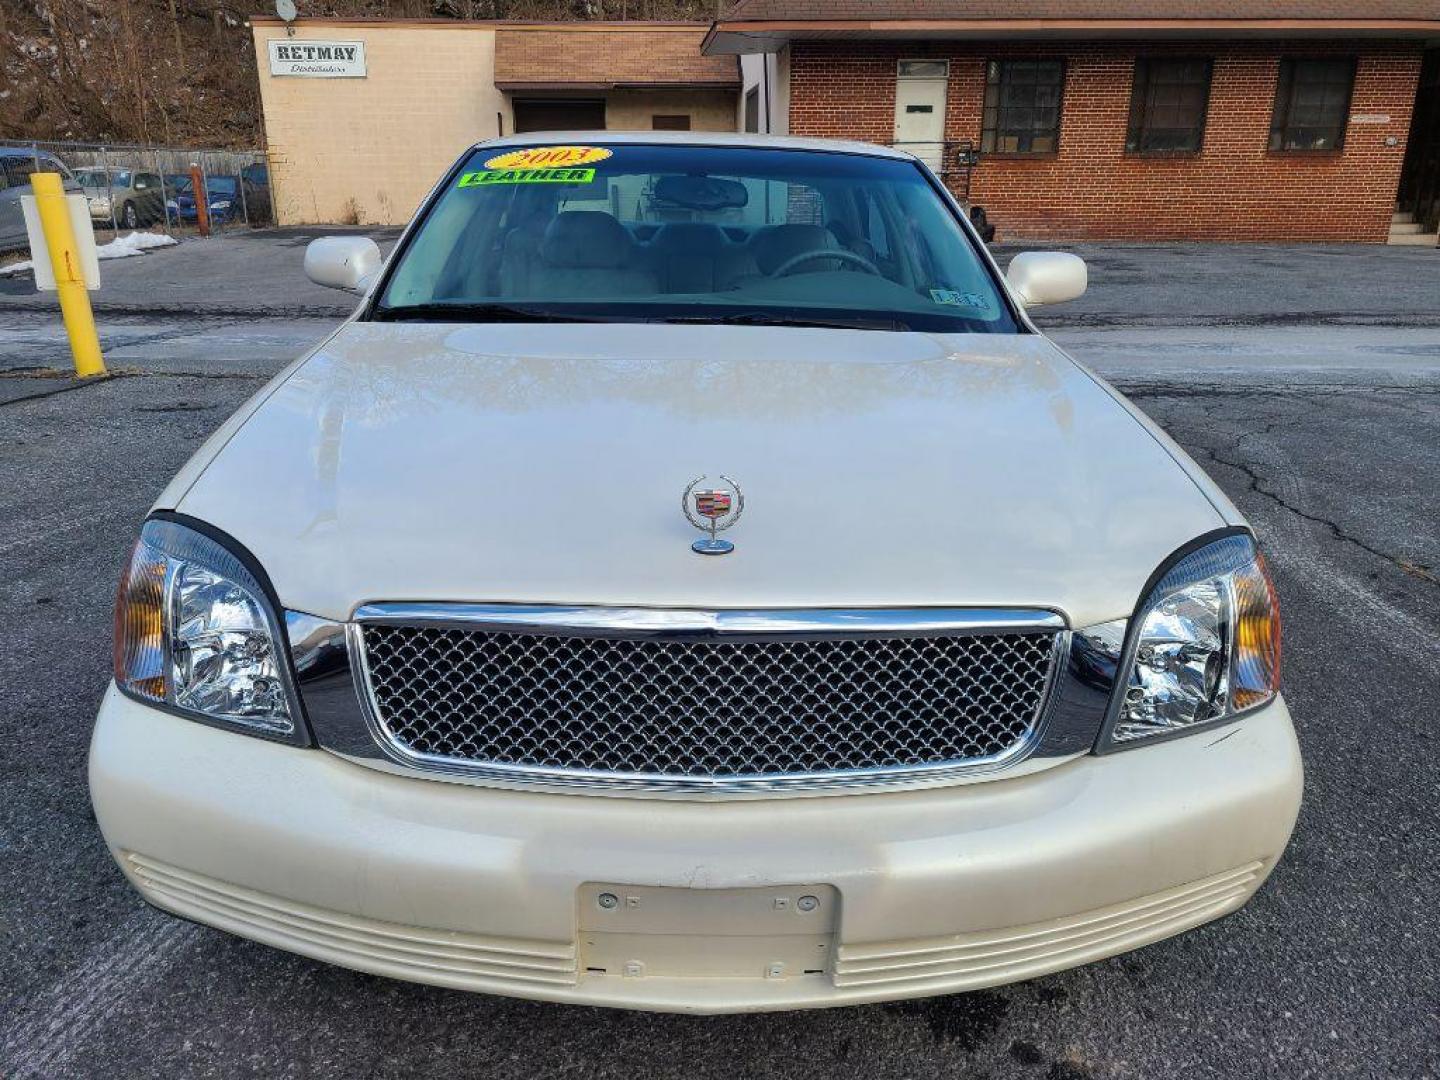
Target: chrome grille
(677,707)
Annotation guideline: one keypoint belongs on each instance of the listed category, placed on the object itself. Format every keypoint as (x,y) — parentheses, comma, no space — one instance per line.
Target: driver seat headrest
(773,247)
(587,240)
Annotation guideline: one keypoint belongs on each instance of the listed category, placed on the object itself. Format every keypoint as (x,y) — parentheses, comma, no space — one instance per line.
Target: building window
(672,122)
(752,109)
(1022,106)
(923,69)
(1312,104)
(1167,105)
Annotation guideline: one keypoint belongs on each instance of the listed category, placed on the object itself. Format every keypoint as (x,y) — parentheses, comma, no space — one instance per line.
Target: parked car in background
(16,165)
(131,198)
(222,201)
(256,179)
(176,184)
(95,183)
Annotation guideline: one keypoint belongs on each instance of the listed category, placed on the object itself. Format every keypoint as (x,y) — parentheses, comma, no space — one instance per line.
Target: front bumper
(913,893)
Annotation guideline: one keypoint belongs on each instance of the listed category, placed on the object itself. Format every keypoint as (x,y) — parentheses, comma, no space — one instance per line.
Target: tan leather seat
(695,257)
(777,245)
(587,254)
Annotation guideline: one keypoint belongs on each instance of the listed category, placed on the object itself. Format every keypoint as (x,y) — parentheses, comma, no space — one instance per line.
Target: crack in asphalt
(1257,484)
(1217,320)
(298,311)
(1192,389)
(114,375)
(79,384)
(141,373)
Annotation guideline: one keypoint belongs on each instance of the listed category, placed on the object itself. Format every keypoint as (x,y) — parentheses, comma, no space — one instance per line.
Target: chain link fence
(152,188)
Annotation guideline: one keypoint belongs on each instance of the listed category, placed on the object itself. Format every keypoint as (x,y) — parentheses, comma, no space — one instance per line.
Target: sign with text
(317,59)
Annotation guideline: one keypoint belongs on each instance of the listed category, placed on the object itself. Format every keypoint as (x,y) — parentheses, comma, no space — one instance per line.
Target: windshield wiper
(460,311)
(476,313)
(767,318)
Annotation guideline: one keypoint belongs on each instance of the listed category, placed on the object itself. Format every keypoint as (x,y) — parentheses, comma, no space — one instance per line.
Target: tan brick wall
(1234,189)
(632,110)
(369,150)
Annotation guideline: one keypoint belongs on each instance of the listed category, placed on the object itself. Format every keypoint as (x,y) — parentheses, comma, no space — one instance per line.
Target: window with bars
(1167,105)
(1022,106)
(1312,103)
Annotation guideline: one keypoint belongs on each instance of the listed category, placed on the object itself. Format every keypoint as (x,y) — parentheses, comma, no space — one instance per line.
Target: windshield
(693,234)
(220,185)
(96,178)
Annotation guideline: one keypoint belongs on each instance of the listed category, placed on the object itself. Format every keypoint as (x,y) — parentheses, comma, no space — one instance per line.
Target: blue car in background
(222,201)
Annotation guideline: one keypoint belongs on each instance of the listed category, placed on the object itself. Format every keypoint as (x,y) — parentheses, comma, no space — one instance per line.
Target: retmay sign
(318,59)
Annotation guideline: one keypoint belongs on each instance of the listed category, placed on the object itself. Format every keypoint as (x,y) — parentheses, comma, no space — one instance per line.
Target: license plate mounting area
(653,931)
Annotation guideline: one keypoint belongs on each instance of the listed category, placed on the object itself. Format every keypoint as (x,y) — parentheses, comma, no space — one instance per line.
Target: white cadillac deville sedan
(690,582)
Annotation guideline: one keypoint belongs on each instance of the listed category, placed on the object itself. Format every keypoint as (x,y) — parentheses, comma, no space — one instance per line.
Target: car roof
(699,138)
(24,152)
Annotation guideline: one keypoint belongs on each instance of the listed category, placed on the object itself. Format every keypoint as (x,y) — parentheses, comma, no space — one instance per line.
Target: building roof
(640,55)
(787,10)
(767,25)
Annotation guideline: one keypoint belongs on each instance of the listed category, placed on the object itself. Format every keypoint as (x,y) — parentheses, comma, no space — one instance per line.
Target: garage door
(553,115)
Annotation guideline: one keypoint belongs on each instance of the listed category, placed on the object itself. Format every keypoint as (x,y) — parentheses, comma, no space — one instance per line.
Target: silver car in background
(16,166)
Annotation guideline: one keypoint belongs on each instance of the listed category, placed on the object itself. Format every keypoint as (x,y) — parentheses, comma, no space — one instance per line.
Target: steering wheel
(826,253)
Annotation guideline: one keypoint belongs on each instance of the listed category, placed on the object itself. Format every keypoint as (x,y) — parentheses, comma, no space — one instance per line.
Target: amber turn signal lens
(139,625)
(1256,676)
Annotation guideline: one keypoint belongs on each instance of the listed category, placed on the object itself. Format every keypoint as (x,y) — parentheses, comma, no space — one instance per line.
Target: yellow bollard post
(69,276)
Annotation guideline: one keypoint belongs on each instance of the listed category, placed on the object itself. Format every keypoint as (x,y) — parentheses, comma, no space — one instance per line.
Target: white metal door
(920,109)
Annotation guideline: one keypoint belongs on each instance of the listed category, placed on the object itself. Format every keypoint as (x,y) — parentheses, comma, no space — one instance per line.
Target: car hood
(544,463)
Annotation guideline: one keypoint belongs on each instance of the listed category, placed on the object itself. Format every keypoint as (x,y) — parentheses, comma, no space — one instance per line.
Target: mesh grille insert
(710,708)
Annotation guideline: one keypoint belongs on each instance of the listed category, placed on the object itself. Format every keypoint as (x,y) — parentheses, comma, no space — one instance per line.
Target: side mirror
(1047,277)
(343,262)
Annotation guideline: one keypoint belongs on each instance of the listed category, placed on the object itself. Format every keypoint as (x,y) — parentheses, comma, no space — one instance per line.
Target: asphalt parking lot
(1306,380)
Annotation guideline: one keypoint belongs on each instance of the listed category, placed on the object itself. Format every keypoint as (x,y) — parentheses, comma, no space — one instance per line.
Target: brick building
(361,139)
(1132,119)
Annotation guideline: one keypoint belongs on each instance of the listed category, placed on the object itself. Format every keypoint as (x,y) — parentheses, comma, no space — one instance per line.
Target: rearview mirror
(343,262)
(1047,277)
(701,192)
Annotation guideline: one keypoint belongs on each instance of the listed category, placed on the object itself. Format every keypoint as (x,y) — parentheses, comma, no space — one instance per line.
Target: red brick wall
(1234,189)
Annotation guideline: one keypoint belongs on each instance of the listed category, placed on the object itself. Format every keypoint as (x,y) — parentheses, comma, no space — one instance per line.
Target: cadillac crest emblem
(712,510)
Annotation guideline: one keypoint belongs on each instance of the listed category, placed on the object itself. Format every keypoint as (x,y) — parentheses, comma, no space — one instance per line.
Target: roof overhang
(592,87)
(766,36)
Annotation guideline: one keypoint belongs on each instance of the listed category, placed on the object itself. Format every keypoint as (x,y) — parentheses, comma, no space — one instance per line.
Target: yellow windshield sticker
(527,176)
(548,157)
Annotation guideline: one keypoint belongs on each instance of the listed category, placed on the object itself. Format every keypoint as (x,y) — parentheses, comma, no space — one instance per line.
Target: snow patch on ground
(122,247)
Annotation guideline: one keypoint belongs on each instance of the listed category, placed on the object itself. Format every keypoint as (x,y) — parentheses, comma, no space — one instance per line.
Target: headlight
(223,204)
(1204,646)
(195,632)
